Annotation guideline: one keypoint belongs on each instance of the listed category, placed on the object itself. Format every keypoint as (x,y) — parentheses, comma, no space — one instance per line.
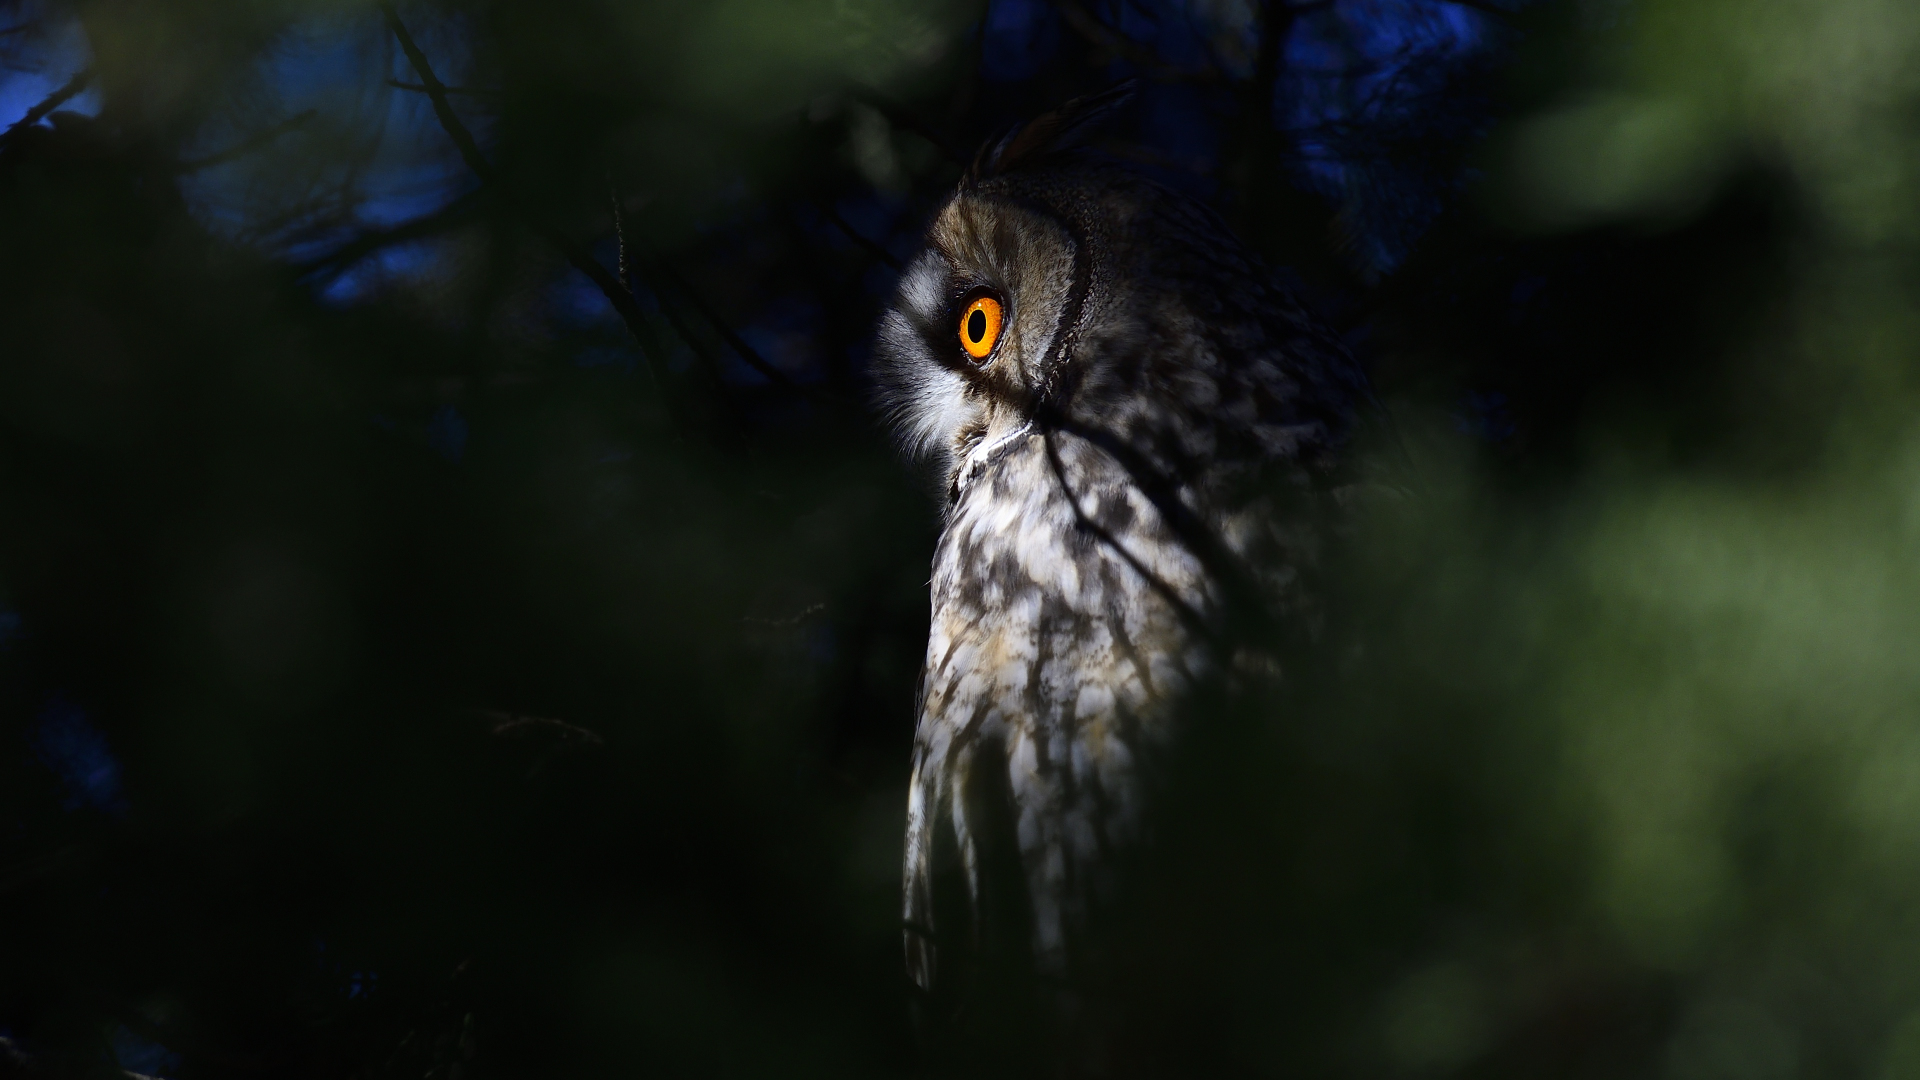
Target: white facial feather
(925,401)
(933,408)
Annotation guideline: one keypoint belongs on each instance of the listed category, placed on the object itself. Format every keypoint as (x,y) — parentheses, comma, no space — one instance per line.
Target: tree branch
(621,298)
(1206,45)
(1242,600)
(454,214)
(727,334)
(247,145)
(1276,23)
(1082,520)
(437,93)
(1484,7)
(50,103)
(1141,56)
(610,286)
(619,236)
(873,247)
(421,88)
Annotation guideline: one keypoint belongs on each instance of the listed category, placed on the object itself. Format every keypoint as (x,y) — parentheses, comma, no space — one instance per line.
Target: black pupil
(977,325)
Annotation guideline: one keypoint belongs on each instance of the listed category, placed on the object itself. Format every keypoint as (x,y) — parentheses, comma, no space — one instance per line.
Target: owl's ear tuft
(1063,128)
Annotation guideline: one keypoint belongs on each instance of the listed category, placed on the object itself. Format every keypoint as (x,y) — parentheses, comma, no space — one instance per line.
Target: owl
(1134,427)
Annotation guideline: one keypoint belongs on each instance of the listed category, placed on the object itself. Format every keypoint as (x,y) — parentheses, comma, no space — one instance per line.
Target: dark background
(415,663)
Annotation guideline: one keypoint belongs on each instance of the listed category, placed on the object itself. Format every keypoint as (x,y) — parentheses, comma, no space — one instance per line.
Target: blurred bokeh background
(415,663)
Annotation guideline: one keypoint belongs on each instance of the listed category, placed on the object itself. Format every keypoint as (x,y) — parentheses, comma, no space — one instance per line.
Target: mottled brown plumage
(1132,477)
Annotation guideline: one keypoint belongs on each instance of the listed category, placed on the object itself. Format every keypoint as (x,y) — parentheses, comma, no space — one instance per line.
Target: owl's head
(1029,262)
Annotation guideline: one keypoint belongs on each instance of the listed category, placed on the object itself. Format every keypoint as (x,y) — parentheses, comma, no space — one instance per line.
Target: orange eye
(980,327)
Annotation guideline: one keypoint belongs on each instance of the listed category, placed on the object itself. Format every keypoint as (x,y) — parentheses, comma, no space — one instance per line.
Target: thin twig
(436,92)
(668,310)
(1141,56)
(671,313)
(454,214)
(247,145)
(50,103)
(1186,611)
(726,332)
(1484,7)
(621,298)
(1206,44)
(1240,592)
(619,236)
(872,247)
(420,88)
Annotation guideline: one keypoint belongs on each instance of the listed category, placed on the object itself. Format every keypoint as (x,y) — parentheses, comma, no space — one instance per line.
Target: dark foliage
(459,617)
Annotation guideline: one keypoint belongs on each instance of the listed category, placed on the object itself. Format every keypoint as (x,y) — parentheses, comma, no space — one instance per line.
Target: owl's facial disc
(964,350)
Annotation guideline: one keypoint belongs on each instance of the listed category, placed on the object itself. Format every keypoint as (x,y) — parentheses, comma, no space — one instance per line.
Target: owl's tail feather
(924,796)
(941,894)
(966,913)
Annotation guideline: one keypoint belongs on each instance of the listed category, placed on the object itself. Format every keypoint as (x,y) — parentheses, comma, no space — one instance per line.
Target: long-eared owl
(1133,421)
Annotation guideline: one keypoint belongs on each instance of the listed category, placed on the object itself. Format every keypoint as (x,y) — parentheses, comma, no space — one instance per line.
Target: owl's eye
(980,327)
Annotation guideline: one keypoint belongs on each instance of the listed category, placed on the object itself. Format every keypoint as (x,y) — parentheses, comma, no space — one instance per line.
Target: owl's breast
(1057,638)
(1045,616)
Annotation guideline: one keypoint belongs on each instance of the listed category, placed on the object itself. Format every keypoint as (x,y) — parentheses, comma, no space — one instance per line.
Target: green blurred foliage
(483,711)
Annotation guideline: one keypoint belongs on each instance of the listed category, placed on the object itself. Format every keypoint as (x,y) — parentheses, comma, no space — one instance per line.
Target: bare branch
(437,93)
(620,297)
(248,145)
(1240,592)
(619,236)
(1082,520)
(1206,45)
(1119,44)
(421,89)
(51,102)
(456,213)
(680,327)
(667,309)
(1484,7)
(733,340)
(610,286)
(685,332)
(872,247)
